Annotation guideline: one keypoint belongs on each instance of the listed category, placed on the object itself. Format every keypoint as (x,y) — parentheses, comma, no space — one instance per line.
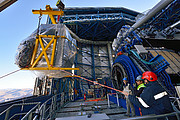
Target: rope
(9,73)
(40,16)
(93,81)
(23,97)
(13,73)
(87,80)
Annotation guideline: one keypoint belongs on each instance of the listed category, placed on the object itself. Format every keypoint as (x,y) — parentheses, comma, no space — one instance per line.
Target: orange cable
(93,82)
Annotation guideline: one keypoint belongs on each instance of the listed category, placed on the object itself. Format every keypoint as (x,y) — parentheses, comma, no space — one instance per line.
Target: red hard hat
(149,76)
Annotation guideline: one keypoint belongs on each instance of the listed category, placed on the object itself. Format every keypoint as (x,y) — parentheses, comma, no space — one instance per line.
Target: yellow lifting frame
(44,49)
(49,12)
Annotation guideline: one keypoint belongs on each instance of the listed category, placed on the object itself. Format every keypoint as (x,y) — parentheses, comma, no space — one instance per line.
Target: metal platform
(98,109)
(93,117)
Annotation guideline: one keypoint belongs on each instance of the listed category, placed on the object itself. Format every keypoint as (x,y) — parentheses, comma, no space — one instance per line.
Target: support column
(110,55)
(93,65)
(76,24)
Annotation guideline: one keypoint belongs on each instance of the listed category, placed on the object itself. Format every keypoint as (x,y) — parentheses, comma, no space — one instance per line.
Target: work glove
(134,85)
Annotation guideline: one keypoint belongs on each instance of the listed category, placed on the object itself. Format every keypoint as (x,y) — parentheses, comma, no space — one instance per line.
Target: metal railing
(93,17)
(175,116)
(6,112)
(38,110)
(28,116)
(169,116)
(49,108)
(176,100)
(117,98)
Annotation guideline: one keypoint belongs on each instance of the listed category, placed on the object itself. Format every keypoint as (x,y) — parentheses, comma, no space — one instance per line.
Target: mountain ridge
(12,94)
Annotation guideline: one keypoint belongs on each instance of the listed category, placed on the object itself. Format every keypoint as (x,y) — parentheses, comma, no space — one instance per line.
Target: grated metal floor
(96,109)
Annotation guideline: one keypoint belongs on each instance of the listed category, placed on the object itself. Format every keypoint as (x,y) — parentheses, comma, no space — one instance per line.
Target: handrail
(104,16)
(117,98)
(17,105)
(176,100)
(154,116)
(149,117)
(30,111)
(16,115)
(6,112)
(47,111)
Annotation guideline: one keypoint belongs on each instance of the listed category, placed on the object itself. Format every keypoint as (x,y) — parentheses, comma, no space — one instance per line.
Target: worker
(128,88)
(60,5)
(138,89)
(154,99)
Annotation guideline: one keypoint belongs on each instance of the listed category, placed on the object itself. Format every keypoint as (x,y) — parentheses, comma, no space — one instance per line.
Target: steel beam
(49,12)
(6,3)
(150,14)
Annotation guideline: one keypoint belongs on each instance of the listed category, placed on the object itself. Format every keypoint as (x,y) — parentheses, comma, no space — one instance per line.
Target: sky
(17,22)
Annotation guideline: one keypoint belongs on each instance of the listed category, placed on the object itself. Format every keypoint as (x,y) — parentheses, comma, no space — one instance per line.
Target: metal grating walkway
(97,109)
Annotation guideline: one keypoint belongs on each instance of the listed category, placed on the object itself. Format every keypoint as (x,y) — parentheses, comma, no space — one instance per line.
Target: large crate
(65,50)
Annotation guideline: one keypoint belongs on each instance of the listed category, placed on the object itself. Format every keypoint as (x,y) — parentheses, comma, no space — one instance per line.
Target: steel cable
(9,73)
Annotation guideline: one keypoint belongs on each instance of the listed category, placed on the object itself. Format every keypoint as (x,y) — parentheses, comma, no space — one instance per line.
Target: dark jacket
(137,91)
(153,100)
